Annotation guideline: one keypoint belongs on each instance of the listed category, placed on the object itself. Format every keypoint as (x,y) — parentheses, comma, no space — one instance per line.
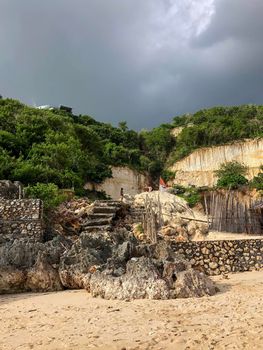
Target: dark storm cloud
(140,61)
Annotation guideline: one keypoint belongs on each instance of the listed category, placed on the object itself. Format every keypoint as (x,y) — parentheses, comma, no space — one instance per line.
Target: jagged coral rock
(89,250)
(12,280)
(43,277)
(191,283)
(160,274)
(21,267)
(141,280)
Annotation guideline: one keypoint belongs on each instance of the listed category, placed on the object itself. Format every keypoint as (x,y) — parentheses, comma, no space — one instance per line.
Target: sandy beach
(232,319)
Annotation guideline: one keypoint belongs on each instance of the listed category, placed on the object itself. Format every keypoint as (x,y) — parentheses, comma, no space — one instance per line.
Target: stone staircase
(103,215)
(136,213)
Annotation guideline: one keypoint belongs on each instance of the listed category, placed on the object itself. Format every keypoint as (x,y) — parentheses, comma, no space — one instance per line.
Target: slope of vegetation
(52,146)
(56,147)
(216,126)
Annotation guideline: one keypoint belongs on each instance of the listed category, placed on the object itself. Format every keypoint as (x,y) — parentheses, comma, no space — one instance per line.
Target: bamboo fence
(232,211)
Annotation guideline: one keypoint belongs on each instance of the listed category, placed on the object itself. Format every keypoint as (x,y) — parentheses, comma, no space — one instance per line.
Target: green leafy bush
(168,175)
(48,193)
(216,126)
(190,194)
(231,175)
(257,181)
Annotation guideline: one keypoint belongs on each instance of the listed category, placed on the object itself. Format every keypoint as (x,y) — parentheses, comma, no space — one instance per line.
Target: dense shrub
(190,194)
(49,193)
(257,181)
(231,175)
(216,126)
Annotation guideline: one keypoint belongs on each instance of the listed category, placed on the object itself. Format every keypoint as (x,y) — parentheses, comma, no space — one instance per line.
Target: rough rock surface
(26,265)
(181,223)
(170,203)
(111,263)
(191,283)
(43,276)
(141,280)
(157,274)
(91,252)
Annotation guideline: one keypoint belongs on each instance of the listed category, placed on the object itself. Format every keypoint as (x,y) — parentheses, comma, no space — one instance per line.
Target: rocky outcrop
(30,265)
(198,168)
(104,258)
(142,280)
(191,283)
(157,274)
(86,255)
(92,252)
(130,180)
(179,222)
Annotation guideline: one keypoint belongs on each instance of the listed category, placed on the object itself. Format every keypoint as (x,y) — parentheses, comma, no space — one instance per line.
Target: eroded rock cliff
(198,168)
(130,180)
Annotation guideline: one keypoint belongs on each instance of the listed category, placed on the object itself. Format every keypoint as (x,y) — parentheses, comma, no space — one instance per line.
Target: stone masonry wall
(13,209)
(218,257)
(21,218)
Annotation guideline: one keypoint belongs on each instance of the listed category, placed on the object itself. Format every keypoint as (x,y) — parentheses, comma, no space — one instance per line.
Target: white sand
(233,319)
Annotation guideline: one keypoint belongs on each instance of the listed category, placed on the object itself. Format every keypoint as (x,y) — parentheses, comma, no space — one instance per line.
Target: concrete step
(97,222)
(100,216)
(108,203)
(101,228)
(103,210)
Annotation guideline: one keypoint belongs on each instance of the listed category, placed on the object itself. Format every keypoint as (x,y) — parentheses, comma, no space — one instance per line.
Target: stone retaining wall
(21,218)
(17,209)
(218,257)
(17,229)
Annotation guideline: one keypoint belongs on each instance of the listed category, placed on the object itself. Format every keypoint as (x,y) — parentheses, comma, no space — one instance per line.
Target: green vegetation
(231,175)
(56,147)
(190,194)
(49,193)
(257,181)
(168,175)
(216,126)
(156,145)
(45,147)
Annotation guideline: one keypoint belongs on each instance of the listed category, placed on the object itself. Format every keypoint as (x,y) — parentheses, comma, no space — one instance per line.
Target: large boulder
(169,203)
(192,283)
(27,265)
(91,252)
(142,280)
(43,277)
(12,280)
(158,273)
(180,222)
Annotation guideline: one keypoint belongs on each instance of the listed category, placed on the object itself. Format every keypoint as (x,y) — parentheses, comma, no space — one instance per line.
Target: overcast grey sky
(143,61)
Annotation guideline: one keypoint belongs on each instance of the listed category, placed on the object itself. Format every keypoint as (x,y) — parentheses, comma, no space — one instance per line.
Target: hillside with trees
(57,147)
(216,126)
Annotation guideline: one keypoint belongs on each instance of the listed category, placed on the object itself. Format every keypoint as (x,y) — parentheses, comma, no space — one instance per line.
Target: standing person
(122,194)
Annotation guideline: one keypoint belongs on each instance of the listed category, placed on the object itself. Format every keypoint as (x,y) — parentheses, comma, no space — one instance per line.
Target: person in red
(162,185)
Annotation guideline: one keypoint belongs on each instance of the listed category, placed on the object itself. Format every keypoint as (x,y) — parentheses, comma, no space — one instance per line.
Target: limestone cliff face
(198,168)
(130,180)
